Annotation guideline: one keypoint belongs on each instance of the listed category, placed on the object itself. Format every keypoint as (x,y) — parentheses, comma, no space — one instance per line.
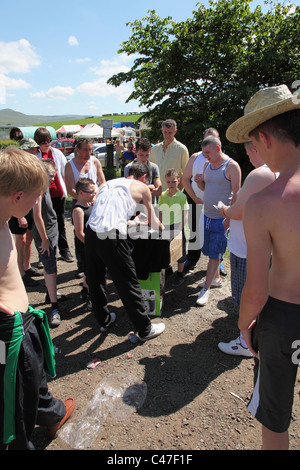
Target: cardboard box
(176,249)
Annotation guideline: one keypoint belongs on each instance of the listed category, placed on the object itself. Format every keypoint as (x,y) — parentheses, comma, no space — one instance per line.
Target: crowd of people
(200,197)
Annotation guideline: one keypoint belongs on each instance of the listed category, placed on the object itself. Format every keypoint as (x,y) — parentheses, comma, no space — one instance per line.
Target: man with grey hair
(170,153)
(220,181)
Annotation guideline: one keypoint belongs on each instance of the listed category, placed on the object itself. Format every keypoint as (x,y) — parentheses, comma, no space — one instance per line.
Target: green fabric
(13,330)
(10,372)
(42,326)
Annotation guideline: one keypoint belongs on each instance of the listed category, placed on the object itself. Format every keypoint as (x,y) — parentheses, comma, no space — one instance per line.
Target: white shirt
(113,207)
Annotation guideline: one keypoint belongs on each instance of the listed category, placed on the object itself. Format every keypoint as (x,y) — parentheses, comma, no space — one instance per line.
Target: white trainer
(234,348)
(217,282)
(156,329)
(203,296)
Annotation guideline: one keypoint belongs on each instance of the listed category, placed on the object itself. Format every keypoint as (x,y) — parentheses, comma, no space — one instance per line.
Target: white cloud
(17,57)
(9,83)
(56,93)
(84,59)
(99,87)
(73,41)
(110,67)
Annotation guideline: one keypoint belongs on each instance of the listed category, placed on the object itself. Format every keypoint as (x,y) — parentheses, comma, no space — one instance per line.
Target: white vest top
(198,165)
(113,207)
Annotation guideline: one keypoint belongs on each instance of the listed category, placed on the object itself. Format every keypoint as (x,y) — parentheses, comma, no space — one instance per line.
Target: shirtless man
(106,247)
(24,401)
(270,303)
(83,165)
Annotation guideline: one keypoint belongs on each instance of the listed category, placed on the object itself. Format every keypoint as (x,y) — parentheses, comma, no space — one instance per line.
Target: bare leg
(50,281)
(274,440)
(212,268)
(20,246)
(27,250)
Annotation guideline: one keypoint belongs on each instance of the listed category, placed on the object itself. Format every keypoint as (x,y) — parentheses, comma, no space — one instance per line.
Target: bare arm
(153,221)
(70,181)
(157,187)
(186,180)
(235,176)
(78,222)
(100,175)
(39,223)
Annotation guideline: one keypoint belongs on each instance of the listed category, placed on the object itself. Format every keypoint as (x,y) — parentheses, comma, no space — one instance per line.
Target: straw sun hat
(264,105)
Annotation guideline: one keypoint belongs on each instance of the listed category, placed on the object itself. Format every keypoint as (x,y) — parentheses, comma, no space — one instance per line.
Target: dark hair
(211,131)
(211,140)
(83,140)
(143,144)
(285,127)
(42,135)
(16,134)
(138,169)
(83,184)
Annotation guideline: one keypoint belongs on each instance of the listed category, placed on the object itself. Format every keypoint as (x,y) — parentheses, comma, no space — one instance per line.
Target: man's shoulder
(179,144)
(156,147)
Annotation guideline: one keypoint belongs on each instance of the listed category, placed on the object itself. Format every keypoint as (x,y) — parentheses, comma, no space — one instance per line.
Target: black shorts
(14,225)
(274,337)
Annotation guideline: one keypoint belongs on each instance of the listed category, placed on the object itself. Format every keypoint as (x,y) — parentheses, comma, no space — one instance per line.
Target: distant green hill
(116,118)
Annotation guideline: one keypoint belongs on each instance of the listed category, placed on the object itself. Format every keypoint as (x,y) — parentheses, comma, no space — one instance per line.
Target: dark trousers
(114,254)
(34,403)
(59,207)
(193,254)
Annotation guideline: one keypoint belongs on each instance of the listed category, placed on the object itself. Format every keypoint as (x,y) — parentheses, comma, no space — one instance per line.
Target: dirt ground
(192,396)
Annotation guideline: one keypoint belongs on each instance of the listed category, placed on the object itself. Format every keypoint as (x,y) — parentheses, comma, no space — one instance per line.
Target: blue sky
(55,57)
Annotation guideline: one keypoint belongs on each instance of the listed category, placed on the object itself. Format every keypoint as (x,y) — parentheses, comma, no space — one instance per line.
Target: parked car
(99,150)
(65,145)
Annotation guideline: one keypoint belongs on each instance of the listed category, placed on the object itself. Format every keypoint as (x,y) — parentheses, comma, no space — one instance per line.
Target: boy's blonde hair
(21,171)
(171,172)
(49,165)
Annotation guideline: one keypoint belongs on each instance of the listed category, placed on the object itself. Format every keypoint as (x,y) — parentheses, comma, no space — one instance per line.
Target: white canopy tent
(94,131)
(69,129)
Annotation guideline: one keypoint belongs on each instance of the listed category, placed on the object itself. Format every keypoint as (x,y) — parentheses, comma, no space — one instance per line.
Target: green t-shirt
(172,207)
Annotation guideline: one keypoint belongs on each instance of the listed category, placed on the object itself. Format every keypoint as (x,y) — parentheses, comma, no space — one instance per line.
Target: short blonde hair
(21,171)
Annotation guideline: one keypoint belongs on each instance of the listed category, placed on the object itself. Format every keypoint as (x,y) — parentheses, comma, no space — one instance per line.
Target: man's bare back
(278,206)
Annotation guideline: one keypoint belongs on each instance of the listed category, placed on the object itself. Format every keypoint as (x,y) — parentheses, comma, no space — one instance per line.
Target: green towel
(12,332)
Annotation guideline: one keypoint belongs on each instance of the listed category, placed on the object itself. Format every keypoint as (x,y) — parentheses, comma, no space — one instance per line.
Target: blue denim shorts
(215,241)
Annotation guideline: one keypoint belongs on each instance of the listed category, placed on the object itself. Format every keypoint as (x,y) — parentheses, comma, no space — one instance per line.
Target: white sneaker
(156,329)
(235,348)
(217,282)
(112,319)
(203,296)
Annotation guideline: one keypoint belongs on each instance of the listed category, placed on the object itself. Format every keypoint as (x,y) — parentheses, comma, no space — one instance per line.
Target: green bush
(7,143)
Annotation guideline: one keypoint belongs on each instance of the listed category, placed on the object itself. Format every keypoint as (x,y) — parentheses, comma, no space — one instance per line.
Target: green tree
(202,71)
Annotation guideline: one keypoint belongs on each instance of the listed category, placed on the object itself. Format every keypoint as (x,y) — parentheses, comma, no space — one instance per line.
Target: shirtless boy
(270,303)
(22,178)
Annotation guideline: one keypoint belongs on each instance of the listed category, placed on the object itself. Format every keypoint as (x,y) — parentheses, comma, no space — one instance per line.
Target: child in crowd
(85,190)
(45,235)
(126,157)
(173,209)
(25,400)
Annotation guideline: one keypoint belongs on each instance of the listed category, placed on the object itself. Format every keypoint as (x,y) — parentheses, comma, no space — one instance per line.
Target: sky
(55,57)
